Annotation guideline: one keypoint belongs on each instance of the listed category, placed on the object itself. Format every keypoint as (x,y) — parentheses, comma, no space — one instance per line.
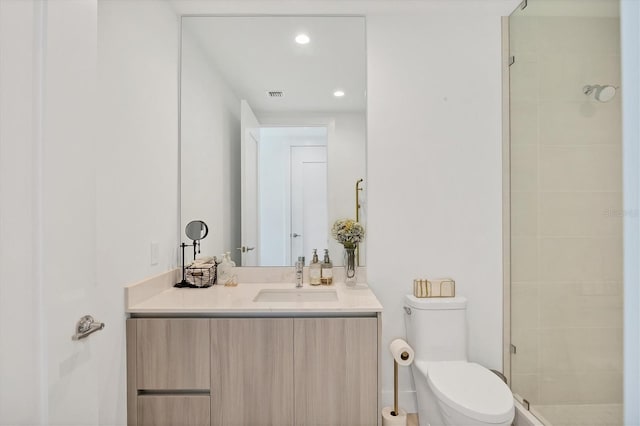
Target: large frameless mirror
(272,133)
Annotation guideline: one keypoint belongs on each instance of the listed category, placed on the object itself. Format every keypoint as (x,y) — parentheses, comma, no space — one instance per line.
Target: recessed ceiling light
(302,39)
(338,93)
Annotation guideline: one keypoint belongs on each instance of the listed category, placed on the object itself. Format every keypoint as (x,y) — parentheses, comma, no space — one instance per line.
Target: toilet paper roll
(389,420)
(400,349)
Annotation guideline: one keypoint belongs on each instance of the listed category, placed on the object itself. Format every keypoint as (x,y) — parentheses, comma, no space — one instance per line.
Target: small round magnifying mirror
(196,230)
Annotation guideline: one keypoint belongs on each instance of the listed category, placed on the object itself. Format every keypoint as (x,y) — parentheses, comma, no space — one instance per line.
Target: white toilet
(451,390)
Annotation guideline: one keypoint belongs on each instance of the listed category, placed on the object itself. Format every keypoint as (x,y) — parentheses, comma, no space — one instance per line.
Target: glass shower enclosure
(566,211)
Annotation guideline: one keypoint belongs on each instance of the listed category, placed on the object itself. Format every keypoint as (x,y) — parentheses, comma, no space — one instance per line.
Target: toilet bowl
(450,390)
(464,393)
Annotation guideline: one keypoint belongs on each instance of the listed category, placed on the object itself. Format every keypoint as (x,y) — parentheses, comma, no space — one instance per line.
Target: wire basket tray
(441,287)
(201,276)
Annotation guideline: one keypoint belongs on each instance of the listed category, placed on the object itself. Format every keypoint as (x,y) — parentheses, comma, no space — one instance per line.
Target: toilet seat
(472,390)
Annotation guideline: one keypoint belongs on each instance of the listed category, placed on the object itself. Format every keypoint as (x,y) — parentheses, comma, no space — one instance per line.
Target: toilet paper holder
(402,354)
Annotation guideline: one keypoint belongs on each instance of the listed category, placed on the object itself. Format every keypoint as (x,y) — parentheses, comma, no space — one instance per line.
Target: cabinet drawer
(172,354)
(174,410)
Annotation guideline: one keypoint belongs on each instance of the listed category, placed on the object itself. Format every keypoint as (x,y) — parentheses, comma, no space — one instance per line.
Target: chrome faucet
(299,271)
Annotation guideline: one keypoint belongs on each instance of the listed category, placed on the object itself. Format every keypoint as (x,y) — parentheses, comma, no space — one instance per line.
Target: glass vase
(350,269)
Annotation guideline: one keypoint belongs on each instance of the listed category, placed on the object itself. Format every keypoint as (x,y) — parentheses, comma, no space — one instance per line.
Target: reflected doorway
(292,193)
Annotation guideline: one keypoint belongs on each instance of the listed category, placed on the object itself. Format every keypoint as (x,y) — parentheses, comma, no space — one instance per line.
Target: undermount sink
(295,295)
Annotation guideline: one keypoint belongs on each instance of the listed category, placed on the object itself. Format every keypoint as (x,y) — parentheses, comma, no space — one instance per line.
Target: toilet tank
(437,328)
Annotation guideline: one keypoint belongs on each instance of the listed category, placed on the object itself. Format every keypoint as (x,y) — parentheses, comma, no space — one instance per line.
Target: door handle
(296,235)
(86,326)
(245,249)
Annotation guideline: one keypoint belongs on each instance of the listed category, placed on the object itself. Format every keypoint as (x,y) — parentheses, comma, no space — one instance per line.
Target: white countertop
(163,299)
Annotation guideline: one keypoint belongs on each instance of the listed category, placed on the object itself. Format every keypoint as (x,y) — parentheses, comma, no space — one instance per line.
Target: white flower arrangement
(347,232)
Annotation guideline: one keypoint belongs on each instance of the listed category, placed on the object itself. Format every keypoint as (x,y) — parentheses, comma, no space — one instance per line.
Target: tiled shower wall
(566,211)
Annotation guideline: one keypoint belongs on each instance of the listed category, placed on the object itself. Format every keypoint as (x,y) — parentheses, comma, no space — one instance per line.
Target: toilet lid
(472,390)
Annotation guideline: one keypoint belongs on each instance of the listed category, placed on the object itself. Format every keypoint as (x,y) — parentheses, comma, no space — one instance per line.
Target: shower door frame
(629,232)
(506,202)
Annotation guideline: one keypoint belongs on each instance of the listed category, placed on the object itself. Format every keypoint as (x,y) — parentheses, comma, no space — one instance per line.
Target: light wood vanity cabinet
(252,371)
(168,372)
(172,354)
(336,365)
(174,410)
(259,371)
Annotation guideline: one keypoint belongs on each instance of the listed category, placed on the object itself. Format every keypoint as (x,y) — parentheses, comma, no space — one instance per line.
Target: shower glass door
(566,211)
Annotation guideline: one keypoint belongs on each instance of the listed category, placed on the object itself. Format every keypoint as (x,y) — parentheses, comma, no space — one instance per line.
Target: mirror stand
(196,230)
(184,282)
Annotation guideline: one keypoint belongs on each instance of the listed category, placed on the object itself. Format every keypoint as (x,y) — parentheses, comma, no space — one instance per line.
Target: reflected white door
(249,139)
(308,201)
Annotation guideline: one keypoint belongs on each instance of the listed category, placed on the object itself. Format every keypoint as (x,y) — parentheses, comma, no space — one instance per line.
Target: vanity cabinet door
(336,362)
(174,410)
(172,354)
(252,372)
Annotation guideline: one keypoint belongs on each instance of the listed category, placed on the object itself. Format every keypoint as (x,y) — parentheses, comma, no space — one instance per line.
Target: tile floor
(412,419)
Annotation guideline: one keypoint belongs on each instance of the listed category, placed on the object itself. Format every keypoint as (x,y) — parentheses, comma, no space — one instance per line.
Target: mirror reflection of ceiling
(307,74)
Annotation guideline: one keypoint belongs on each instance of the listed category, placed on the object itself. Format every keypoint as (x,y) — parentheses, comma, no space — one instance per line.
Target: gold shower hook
(358,182)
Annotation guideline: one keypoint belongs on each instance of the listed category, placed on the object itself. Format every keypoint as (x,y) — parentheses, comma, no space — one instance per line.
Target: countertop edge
(257,314)
(157,297)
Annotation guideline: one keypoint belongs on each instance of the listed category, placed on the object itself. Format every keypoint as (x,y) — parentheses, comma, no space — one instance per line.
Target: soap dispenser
(326,269)
(315,270)
(226,270)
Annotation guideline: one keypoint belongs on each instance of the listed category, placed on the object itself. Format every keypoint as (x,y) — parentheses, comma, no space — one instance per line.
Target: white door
(69,284)
(308,201)
(48,214)
(249,139)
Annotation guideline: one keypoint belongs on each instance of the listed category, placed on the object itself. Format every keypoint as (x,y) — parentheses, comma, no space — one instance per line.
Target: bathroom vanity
(256,354)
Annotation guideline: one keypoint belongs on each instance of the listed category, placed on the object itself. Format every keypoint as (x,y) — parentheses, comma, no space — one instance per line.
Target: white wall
(434,168)
(137,169)
(630,41)
(433,154)
(210,129)
(434,158)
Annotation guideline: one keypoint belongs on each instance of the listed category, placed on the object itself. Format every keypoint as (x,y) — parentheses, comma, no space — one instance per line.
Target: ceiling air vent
(275,93)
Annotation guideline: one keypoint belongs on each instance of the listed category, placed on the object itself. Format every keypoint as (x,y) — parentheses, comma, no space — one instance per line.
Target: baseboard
(406,400)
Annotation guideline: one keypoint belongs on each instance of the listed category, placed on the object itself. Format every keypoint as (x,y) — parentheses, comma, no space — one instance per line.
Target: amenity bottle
(315,270)
(326,269)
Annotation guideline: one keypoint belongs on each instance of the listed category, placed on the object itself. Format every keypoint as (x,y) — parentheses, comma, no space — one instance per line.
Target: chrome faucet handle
(299,271)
